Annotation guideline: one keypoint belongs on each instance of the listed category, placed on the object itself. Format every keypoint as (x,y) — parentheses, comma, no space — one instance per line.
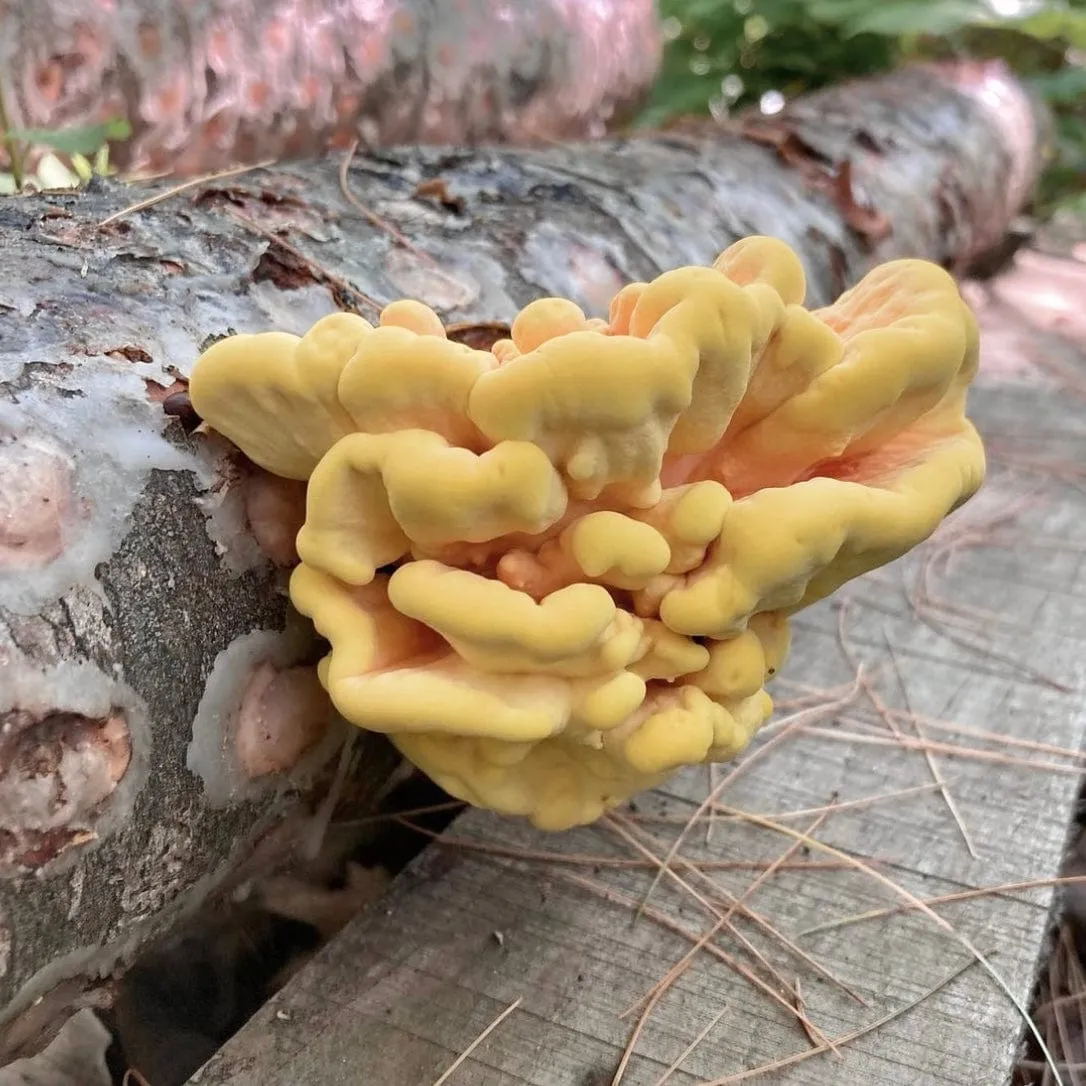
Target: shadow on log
(143,628)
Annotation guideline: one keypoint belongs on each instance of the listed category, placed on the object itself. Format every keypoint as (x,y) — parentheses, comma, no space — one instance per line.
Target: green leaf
(1070,26)
(1075,204)
(1066,85)
(75,141)
(836,12)
(916,17)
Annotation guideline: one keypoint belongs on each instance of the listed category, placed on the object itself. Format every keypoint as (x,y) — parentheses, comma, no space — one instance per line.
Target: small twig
(843,1039)
(192,183)
(318,826)
(1068,953)
(315,269)
(11,144)
(478,1041)
(688,1051)
(391,816)
(132,1077)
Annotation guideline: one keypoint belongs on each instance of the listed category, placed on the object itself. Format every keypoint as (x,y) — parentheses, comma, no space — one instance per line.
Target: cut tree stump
(137,614)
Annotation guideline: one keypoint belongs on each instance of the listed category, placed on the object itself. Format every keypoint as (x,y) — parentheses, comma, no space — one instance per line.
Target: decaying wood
(136,611)
(208,84)
(465,932)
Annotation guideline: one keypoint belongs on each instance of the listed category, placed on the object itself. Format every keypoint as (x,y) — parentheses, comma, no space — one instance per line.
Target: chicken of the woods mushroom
(557,571)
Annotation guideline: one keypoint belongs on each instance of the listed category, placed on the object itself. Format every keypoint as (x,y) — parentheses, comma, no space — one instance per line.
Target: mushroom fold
(557,571)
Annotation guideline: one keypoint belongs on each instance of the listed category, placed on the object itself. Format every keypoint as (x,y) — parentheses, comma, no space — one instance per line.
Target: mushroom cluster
(556,571)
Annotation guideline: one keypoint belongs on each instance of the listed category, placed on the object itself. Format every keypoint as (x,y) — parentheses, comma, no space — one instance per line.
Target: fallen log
(160,726)
(215,82)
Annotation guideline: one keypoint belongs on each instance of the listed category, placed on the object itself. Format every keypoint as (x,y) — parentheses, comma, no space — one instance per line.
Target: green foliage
(86,150)
(75,141)
(727,54)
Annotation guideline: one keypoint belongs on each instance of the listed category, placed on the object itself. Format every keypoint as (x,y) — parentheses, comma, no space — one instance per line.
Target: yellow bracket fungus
(559,570)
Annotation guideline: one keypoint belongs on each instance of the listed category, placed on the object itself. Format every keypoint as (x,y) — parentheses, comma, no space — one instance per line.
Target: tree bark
(209,83)
(136,612)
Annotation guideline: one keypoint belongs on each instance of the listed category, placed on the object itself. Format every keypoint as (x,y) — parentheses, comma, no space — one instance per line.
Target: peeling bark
(148,593)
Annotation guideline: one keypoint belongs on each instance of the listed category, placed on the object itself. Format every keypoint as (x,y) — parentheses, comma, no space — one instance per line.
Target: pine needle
(411,812)
(635,1036)
(1025,670)
(844,1039)
(946,926)
(192,183)
(800,812)
(478,1041)
(944,899)
(890,719)
(801,1006)
(905,743)
(689,1050)
(851,804)
(933,767)
(582,859)
(616,897)
(371,216)
(686,961)
(956,728)
(791,725)
(750,914)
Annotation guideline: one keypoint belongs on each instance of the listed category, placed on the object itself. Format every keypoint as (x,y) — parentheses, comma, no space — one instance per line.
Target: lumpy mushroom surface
(559,570)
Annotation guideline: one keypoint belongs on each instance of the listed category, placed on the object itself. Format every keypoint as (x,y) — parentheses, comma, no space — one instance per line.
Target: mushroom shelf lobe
(557,571)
